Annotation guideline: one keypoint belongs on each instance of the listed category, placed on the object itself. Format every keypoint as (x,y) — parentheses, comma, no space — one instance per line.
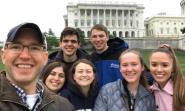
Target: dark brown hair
(49,67)
(69,31)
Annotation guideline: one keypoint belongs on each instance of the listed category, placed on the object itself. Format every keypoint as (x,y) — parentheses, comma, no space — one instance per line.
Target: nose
(25,53)
(84,73)
(159,68)
(69,42)
(98,38)
(129,68)
(56,77)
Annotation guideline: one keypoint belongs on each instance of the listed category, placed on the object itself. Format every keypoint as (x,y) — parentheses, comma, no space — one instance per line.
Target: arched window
(132,34)
(88,34)
(120,34)
(126,34)
(175,30)
(114,34)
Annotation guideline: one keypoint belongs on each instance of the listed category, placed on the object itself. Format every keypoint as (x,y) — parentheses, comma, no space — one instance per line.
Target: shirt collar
(22,94)
(167,88)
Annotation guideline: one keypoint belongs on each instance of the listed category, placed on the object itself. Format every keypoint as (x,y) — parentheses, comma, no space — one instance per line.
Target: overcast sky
(49,13)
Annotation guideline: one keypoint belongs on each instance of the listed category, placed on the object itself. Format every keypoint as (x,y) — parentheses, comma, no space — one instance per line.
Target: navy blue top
(80,101)
(107,64)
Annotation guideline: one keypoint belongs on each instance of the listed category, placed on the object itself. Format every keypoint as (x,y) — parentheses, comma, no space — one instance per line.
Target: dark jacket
(74,95)
(107,63)
(114,97)
(58,56)
(10,101)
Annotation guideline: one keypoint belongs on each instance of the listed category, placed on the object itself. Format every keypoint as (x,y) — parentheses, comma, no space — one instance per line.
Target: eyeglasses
(18,48)
(72,41)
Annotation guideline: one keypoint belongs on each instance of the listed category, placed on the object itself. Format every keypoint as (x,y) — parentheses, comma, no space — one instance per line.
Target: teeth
(54,83)
(69,49)
(131,74)
(159,75)
(84,78)
(24,66)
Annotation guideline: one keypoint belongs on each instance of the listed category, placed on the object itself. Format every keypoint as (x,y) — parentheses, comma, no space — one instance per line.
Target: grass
(1,66)
(145,53)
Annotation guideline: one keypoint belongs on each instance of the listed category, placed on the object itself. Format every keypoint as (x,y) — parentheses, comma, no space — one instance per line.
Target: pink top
(163,97)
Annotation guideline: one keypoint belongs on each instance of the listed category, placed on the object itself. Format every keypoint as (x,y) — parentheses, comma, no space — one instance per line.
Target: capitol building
(124,20)
(182,4)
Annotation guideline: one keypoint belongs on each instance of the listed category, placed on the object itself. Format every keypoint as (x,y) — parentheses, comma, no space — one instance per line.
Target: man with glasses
(69,49)
(24,55)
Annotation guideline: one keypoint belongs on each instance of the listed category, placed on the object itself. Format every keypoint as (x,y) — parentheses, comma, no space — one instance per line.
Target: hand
(164,45)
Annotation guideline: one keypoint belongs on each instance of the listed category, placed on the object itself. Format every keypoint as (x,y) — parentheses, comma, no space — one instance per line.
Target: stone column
(123,18)
(110,18)
(134,19)
(98,16)
(91,17)
(85,21)
(79,18)
(104,20)
(128,19)
(116,18)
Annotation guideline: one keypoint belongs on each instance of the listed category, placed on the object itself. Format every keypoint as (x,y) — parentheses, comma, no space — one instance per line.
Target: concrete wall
(152,43)
(147,43)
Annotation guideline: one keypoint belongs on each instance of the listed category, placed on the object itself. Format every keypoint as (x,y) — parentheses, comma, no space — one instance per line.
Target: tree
(111,36)
(82,36)
(183,30)
(51,33)
(51,39)
(52,42)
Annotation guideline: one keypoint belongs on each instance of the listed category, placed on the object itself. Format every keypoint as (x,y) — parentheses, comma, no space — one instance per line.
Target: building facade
(162,25)
(182,4)
(121,19)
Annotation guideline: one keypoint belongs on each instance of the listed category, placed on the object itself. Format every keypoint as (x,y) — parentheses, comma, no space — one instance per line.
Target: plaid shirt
(23,95)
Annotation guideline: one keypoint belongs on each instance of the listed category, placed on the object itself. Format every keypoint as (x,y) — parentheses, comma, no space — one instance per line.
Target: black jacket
(58,56)
(74,95)
(116,47)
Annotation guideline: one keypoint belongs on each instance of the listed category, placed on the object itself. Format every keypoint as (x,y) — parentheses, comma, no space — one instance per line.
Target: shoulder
(112,87)
(59,101)
(118,43)
(71,92)
(81,53)
(53,54)
(93,56)
(65,93)
(143,92)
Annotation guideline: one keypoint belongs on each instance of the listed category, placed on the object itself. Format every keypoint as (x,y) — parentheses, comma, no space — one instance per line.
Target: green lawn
(145,53)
